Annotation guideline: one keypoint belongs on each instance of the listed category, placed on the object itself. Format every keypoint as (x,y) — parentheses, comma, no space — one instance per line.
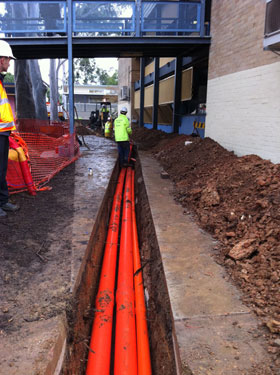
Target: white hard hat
(124,109)
(5,50)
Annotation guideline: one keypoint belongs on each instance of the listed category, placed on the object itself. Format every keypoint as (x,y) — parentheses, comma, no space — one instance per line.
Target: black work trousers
(4,152)
(123,149)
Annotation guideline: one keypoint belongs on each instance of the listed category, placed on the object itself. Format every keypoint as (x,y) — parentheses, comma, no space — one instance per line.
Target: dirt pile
(83,130)
(236,199)
(146,139)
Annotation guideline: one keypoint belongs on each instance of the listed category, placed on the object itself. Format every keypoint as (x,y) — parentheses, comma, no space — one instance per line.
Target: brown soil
(236,200)
(26,238)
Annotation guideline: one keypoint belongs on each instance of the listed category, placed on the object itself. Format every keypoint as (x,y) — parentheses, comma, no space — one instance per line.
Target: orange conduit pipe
(100,344)
(125,338)
(143,348)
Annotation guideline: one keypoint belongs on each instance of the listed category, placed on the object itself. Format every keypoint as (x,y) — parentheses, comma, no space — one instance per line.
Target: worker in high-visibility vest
(104,113)
(7,124)
(108,127)
(122,131)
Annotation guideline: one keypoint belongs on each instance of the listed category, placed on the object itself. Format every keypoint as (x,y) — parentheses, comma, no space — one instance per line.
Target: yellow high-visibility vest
(122,128)
(6,115)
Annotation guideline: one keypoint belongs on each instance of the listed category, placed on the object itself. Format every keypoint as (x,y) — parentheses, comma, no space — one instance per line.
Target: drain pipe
(125,344)
(143,348)
(99,357)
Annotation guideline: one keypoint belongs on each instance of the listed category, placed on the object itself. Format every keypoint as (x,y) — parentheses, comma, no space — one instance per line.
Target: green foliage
(87,11)
(105,78)
(48,94)
(9,78)
(85,71)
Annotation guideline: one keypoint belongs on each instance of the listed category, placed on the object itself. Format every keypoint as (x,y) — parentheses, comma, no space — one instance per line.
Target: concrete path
(214,329)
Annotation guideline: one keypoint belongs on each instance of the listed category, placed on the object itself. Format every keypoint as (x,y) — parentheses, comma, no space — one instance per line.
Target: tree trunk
(25,105)
(53,91)
(30,90)
(39,90)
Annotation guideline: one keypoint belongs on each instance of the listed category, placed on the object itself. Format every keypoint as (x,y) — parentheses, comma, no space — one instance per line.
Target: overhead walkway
(103,29)
(72,28)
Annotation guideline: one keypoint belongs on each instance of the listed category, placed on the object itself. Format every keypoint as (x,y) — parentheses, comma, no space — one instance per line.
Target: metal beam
(70,72)
(202,18)
(142,91)
(57,46)
(156,92)
(177,95)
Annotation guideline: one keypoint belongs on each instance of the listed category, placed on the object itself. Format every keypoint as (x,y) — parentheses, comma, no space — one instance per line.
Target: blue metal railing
(106,17)
(99,18)
(28,17)
(166,16)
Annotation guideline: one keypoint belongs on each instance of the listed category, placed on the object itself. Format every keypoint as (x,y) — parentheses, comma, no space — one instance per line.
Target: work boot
(10,207)
(126,165)
(2,213)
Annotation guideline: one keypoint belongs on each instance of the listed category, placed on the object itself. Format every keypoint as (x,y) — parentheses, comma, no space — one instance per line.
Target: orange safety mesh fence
(48,149)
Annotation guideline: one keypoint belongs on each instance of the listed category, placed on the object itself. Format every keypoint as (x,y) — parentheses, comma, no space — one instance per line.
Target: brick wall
(243,91)
(237,29)
(243,112)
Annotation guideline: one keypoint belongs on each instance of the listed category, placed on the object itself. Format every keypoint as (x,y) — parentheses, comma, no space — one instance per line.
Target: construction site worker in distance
(122,131)
(7,124)
(108,128)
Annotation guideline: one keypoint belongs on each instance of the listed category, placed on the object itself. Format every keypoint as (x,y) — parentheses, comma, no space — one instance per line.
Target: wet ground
(42,247)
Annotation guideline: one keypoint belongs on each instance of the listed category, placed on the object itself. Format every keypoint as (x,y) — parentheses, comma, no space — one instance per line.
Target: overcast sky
(104,63)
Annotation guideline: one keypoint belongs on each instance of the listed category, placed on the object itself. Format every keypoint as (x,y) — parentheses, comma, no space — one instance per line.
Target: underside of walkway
(57,46)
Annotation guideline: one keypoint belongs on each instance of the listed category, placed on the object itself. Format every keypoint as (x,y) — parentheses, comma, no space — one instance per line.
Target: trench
(80,311)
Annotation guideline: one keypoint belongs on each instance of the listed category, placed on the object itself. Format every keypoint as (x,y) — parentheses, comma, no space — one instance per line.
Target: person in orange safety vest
(6,126)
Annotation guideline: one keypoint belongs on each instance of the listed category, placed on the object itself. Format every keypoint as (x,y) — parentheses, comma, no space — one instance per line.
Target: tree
(101,16)
(106,79)
(30,90)
(9,78)
(25,104)
(53,92)
(39,90)
(85,71)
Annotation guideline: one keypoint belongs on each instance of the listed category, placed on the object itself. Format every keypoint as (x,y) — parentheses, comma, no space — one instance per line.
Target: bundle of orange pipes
(131,353)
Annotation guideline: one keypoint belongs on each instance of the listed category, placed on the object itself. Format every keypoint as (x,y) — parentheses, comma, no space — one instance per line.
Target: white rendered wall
(243,111)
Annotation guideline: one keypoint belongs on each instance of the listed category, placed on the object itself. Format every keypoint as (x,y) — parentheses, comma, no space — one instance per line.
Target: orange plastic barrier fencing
(49,150)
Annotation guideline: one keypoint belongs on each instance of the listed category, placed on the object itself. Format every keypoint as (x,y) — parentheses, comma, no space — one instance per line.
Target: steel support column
(142,91)
(70,66)
(138,10)
(202,18)
(177,95)
(156,92)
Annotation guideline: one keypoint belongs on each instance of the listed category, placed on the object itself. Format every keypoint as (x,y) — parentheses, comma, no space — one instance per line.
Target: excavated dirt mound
(236,200)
